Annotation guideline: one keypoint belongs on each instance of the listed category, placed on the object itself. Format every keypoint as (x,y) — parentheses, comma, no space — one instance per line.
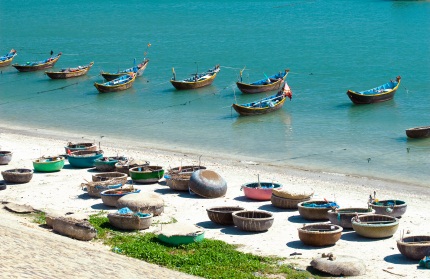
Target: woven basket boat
(5,157)
(286,203)
(179,170)
(107,164)
(259,190)
(111,196)
(84,158)
(393,208)
(342,216)
(414,247)
(94,189)
(320,234)
(125,166)
(254,220)
(314,213)
(223,214)
(49,164)
(375,225)
(17,175)
(130,221)
(180,181)
(120,177)
(80,147)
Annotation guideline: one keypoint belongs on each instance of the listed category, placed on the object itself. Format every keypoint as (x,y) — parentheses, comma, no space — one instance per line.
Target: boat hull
(64,75)
(247,111)
(418,132)
(48,166)
(360,99)
(184,85)
(253,89)
(29,68)
(112,76)
(143,176)
(6,62)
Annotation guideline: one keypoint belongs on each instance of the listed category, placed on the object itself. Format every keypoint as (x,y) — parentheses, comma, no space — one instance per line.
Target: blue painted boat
(122,83)
(270,83)
(6,59)
(84,159)
(382,93)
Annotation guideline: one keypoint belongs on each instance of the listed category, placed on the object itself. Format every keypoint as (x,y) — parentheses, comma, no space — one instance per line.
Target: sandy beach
(62,191)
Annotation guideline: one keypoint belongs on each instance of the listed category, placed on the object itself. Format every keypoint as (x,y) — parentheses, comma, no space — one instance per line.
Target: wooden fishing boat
(265,105)
(418,132)
(6,59)
(378,94)
(197,80)
(70,72)
(38,65)
(122,83)
(270,83)
(138,70)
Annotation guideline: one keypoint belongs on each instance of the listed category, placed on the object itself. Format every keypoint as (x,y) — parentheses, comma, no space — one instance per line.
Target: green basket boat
(48,164)
(178,234)
(146,174)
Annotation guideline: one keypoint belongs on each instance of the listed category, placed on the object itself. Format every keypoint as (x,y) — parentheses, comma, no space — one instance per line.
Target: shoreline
(208,156)
(61,191)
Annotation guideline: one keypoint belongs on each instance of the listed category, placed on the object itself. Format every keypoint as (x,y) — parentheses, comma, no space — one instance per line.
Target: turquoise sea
(329,46)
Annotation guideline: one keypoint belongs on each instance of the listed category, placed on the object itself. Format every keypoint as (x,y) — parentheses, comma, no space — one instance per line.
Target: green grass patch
(208,258)
(39,217)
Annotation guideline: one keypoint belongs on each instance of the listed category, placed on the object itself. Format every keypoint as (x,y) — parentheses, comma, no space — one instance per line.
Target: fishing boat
(418,132)
(197,80)
(122,83)
(70,72)
(378,94)
(138,70)
(265,105)
(38,65)
(6,59)
(270,83)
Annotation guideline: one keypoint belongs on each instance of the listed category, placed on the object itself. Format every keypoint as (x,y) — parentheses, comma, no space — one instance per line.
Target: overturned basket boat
(283,198)
(315,210)
(394,208)
(320,234)
(375,225)
(414,247)
(5,157)
(253,220)
(17,175)
(48,164)
(342,216)
(222,214)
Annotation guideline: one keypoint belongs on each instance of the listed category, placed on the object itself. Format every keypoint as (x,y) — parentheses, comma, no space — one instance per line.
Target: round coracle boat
(179,234)
(286,203)
(84,159)
(316,210)
(5,157)
(94,189)
(17,175)
(180,181)
(125,166)
(253,220)
(342,216)
(111,196)
(88,146)
(208,184)
(375,225)
(223,214)
(259,190)
(130,220)
(146,174)
(117,176)
(48,164)
(320,234)
(107,164)
(414,247)
(180,170)
(394,208)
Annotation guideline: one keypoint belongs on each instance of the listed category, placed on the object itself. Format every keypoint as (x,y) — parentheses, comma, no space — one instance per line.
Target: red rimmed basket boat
(70,72)
(38,65)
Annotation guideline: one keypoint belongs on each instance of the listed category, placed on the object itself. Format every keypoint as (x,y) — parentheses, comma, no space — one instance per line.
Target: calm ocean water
(329,46)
